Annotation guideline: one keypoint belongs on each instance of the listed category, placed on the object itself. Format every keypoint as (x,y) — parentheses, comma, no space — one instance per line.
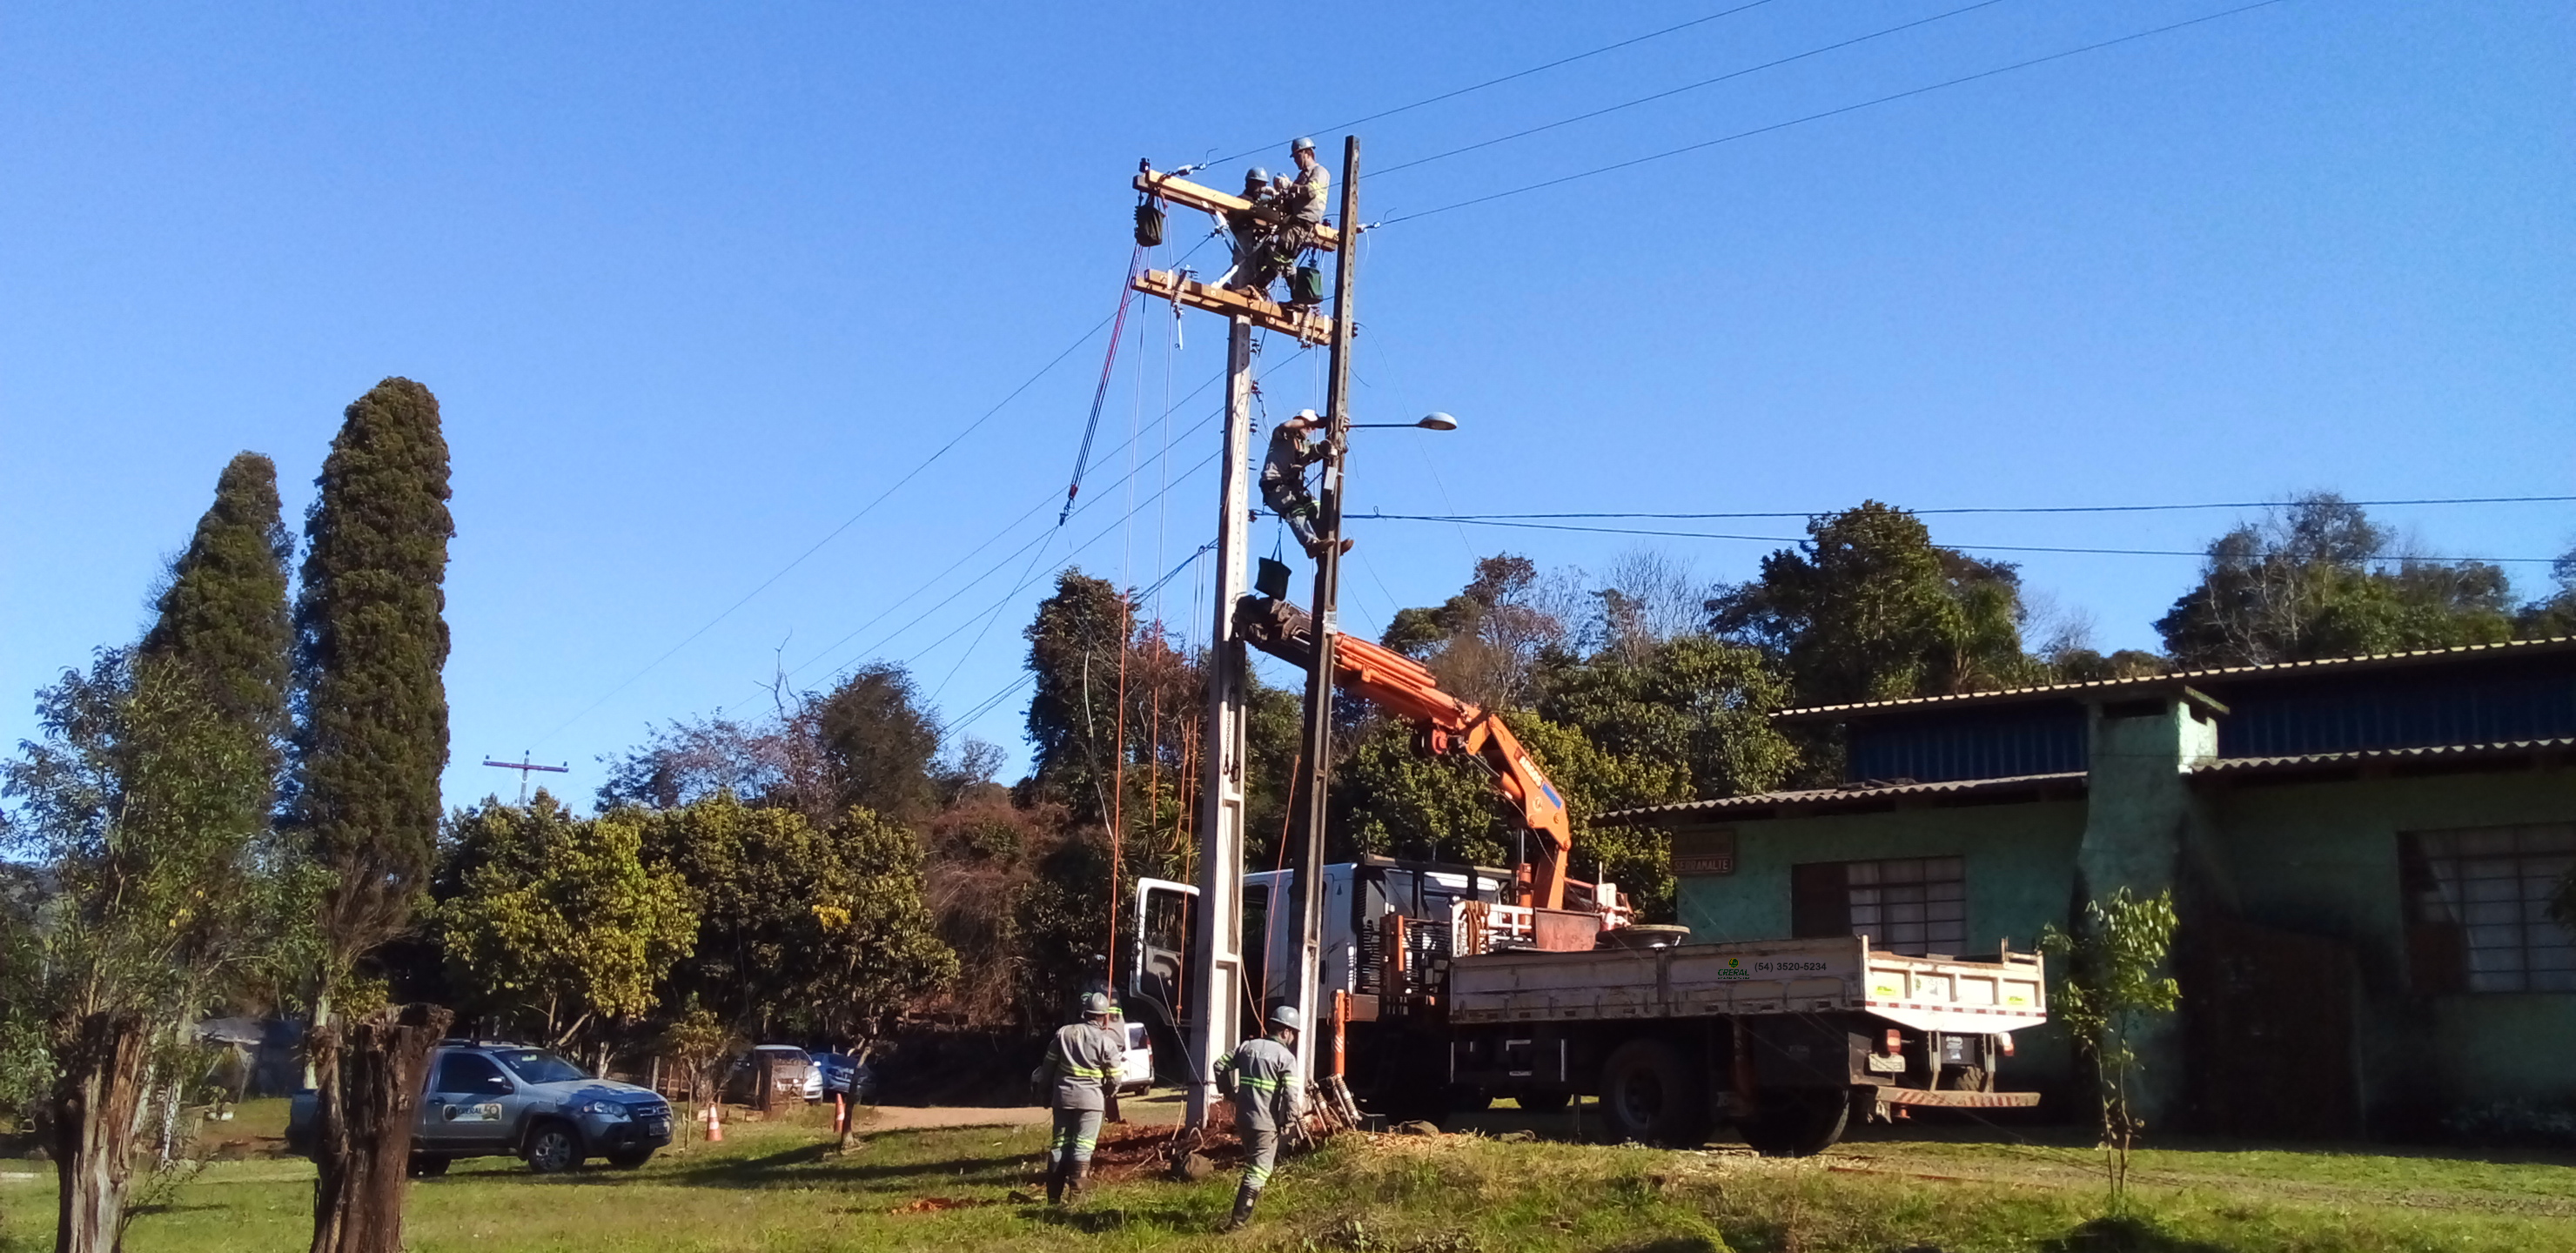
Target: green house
(2363,852)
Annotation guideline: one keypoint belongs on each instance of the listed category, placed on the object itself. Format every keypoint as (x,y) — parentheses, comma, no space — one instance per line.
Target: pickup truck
(514,1100)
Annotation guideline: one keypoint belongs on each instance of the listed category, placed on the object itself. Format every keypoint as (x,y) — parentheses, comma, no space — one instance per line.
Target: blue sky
(696,286)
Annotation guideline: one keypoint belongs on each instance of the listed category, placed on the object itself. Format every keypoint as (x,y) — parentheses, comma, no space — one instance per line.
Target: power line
(986,705)
(1687,87)
(829,536)
(1817,513)
(1795,539)
(1495,82)
(1837,112)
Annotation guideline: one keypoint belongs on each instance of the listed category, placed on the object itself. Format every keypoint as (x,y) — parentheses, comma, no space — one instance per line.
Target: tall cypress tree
(223,618)
(370,643)
(371,739)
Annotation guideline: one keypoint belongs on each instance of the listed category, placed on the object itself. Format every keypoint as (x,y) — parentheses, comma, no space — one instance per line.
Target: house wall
(2020,868)
(2322,858)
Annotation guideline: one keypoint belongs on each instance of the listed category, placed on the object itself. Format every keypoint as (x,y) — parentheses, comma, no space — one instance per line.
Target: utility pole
(524,766)
(1316,768)
(1214,993)
(1212,1014)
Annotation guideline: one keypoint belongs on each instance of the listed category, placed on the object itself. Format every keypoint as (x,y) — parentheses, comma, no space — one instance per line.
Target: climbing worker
(1256,239)
(1301,200)
(1267,1098)
(1283,478)
(1082,1063)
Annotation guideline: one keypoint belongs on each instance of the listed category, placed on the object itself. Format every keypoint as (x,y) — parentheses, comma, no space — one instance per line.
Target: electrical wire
(1496,82)
(1839,111)
(2003,509)
(828,536)
(1689,87)
(1793,539)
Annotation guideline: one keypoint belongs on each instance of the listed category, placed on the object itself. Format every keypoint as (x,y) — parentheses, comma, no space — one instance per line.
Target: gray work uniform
(1266,1096)
(1256,245)
(1283,481)
(1083,1062)
(1303,203)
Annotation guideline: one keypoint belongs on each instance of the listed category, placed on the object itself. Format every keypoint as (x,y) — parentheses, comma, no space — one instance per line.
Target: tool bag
(1149,226)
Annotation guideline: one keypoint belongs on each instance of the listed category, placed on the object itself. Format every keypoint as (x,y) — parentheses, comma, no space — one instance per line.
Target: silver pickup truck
(513,1100)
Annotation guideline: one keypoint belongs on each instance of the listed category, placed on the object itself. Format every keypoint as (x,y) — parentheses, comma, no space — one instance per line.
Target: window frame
(2462,888)
(1825,901)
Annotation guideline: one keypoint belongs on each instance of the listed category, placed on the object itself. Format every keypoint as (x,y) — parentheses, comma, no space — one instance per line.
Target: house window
(2477,908)
(1912,905)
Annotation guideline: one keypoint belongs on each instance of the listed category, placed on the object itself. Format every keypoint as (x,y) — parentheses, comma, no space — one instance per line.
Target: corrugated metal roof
(1859,792)
(2151,683)
(2225,765)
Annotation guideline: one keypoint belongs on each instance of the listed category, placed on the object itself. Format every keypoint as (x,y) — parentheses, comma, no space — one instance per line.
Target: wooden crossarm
(1183,191)
(1305,324)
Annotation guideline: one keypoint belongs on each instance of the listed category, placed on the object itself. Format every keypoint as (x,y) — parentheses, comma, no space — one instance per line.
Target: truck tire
(553,1147)
(1650,1093)
(1796,1122)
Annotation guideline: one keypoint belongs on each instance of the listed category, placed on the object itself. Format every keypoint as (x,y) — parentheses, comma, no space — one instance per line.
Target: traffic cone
(715,1124)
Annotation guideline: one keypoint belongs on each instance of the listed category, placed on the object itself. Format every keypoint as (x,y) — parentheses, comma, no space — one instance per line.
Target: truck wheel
(1796,1122)
(1545,1102)
(553,1148)
(1650,1094)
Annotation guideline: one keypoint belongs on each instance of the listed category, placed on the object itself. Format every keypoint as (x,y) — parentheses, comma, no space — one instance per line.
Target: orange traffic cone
(715,1124)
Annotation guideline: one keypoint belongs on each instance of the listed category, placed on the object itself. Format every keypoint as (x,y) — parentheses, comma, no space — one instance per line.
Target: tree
(879,743)
(223,616)
(1869,608)
(558,916)
(2108,985)
(819,930)
(143,805)
(371,740)
(2320,579)
(1075,645)
(2554,616)
(1486,643)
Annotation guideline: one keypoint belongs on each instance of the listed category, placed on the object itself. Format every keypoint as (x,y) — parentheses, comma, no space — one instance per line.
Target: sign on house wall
(1710,851)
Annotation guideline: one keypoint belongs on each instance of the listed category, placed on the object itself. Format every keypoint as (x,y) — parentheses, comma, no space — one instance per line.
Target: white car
(1136,1067)
(784,1059)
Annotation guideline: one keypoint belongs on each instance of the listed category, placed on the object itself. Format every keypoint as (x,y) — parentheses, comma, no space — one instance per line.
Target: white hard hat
(1287,1016)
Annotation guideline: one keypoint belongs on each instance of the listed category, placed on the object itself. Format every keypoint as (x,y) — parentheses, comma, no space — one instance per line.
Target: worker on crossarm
(1256,239)
(1082,1064)
(1267,1099)
(1283,478)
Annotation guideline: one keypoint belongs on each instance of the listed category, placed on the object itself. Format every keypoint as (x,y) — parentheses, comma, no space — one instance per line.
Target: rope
(1099,395)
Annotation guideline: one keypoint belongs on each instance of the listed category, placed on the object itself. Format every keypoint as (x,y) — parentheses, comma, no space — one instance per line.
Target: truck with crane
(1447,985)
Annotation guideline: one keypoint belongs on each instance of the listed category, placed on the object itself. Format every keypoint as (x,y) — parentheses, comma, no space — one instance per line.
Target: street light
(1429,422)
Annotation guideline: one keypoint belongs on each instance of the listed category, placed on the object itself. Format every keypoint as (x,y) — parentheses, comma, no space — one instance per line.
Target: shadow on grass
(2127,1235)
(1675,1244)
(802,1167)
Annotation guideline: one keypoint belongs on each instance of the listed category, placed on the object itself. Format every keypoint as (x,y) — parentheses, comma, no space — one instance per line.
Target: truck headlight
(610,1110)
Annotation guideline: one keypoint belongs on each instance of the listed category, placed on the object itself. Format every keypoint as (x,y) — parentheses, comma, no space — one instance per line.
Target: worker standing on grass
(1082,1064)
(1283,478)
(1267,1096)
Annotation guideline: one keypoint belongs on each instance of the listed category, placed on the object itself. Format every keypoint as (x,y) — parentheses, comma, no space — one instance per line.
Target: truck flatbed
(1832,975)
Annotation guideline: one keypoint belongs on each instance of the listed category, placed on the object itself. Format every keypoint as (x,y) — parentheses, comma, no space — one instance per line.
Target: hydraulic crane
(1403,687)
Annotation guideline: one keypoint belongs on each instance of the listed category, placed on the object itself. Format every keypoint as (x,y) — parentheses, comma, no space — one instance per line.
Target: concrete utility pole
(1316,768)
(1213,1008)
(1215,995)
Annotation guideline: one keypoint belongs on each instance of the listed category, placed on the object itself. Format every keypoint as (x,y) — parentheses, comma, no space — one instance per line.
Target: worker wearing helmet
(1082,1064)
(1283,477)
(1267,1096)
(1301,199)
(1256,239)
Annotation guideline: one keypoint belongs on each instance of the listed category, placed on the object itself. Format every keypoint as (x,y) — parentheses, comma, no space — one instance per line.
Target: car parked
(848,1075)
(1136,1066)
(790,1069)
(515,1100)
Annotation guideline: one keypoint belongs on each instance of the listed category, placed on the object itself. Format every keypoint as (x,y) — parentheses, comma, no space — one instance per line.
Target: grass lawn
(779,1186)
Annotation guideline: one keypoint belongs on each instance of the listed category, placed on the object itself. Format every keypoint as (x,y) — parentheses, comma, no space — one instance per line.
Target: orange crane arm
(1403,687)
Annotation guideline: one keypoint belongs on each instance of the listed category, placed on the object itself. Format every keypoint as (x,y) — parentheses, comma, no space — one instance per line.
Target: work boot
(1055,1182)
(1316,549)
(1244,1196)
(1077,1182)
